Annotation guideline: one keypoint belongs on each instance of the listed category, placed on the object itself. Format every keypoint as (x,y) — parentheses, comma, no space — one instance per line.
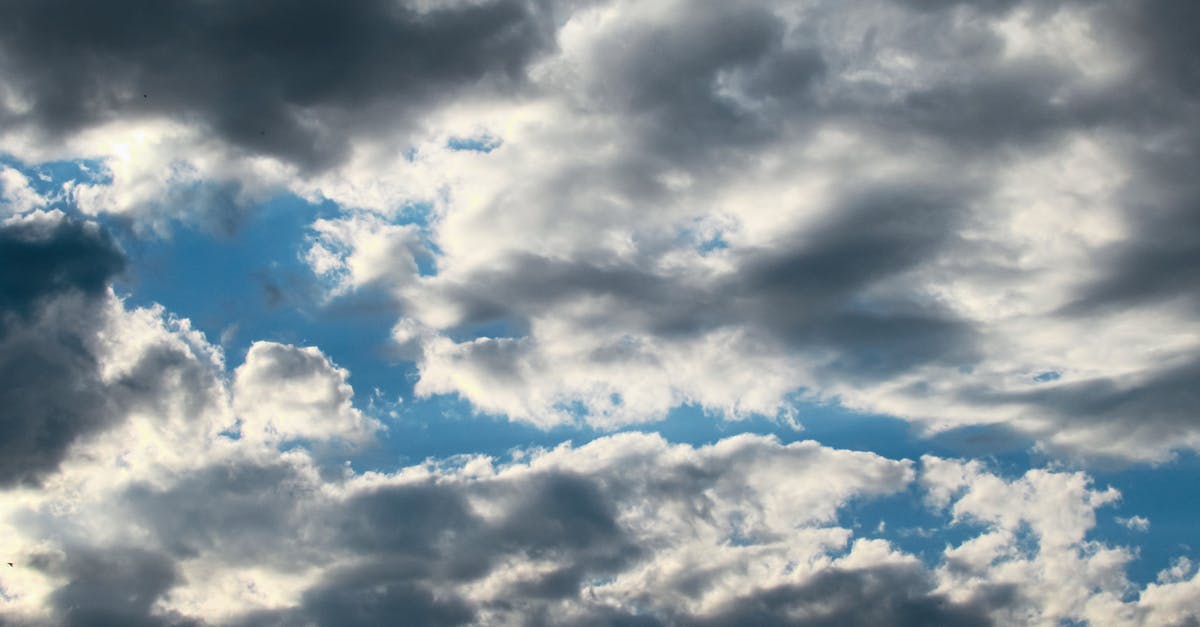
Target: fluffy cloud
(957,213)
(16,194)
(284,392)
(627,529)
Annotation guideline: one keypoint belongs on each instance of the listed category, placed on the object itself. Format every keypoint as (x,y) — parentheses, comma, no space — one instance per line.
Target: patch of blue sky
(480,143)
(418,213)
(1168,497)
(48,178)
(253,284)
(445,426)
(716,242)
(83,170)
(1048,376)
(909,523)
(704,240)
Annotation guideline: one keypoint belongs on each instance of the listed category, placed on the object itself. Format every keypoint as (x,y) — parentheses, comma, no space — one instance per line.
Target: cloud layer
(958,213)
(175,493)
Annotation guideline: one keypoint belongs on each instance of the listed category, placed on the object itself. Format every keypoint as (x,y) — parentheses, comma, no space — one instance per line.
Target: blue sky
(665,313)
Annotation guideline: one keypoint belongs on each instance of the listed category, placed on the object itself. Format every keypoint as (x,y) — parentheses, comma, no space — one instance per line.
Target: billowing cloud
(627,529)
(285,392)
(957,213)
(163,512)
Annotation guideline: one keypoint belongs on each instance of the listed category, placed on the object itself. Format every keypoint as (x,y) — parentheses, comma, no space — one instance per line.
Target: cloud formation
(201,499)
(957,213)
(283,392)
(627,529)
(947,212)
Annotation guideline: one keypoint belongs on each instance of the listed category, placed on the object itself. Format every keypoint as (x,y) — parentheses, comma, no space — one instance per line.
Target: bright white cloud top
(961,214)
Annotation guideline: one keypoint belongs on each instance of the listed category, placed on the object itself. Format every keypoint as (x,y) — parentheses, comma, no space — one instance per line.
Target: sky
(599,312)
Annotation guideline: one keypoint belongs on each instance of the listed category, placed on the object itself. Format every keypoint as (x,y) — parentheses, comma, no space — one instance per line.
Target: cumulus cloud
(283,392)
(957,213)
(627,529)
(158,511)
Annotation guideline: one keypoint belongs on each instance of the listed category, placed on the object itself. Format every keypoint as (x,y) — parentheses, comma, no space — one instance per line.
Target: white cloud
(16,194)
(287,393)
(1134,523)
(913,209)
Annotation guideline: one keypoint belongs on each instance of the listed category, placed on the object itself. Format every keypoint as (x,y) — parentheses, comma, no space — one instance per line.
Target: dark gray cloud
(40,259)
(884,596)
(110,588)
(667,82)
(53,274)
(255,499)
(1160,34)
(413,543)
(50,395)
(887,596)
(275,78)
(54,304)
(987,6)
